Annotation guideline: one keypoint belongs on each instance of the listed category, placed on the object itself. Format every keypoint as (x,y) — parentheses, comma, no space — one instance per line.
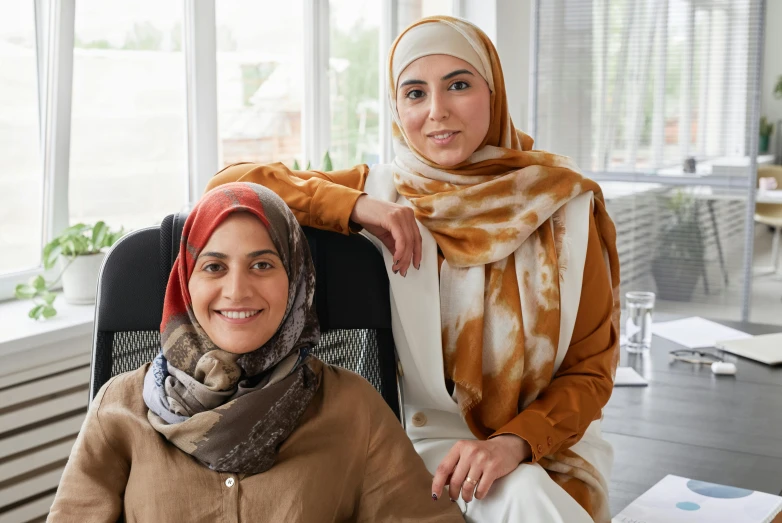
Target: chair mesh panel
(131,350)
(355,350)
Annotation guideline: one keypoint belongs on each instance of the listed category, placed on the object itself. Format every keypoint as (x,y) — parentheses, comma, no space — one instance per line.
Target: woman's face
(239,286)
(444,106)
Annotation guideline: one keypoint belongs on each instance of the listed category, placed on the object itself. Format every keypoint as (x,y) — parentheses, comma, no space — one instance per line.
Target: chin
(239,347)
(448,159)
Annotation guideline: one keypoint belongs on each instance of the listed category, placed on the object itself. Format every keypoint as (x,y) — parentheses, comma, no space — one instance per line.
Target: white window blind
(635,89)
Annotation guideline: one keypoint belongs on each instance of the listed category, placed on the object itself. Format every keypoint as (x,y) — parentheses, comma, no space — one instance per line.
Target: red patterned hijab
(233,411)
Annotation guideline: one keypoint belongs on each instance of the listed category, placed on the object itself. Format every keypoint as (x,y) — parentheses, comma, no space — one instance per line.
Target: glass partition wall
(656,100)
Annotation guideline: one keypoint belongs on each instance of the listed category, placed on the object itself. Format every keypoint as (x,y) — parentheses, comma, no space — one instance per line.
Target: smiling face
(239,286)
(444,107)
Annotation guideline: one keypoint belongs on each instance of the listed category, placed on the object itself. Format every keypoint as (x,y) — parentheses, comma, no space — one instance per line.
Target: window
(21,179)
(128,162)
(353,82)
(260,80)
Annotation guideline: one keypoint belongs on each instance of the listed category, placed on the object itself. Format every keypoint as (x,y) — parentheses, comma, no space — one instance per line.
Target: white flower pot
(80,279)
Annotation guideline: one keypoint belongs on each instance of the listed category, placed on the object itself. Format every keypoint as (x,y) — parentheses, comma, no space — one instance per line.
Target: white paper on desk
(680,500)
(696,333)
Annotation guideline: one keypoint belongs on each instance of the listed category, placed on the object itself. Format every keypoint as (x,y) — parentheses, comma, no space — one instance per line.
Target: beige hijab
(497,218)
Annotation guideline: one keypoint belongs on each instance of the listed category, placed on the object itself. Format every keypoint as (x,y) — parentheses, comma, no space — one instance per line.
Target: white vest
(429,411)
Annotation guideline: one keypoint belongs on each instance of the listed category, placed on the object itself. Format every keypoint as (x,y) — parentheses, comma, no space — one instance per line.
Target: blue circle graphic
(688,505)
(712,490)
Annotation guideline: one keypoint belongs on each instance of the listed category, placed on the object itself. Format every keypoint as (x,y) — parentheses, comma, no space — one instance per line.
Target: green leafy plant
(326,164)
(766,127)
(679,261)
(77,240)
(682,235)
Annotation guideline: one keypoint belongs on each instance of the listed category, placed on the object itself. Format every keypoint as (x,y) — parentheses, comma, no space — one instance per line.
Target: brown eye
(459,86)
(414,94)
(212,267)
(263,265)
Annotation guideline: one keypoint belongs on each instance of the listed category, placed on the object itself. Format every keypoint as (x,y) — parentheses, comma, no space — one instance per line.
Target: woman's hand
(395,226)
(483,462)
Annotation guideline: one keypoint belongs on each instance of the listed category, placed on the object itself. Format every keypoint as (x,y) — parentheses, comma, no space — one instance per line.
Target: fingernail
(453,500)
(434,497)
(418,267)
(396,262)
(396,271)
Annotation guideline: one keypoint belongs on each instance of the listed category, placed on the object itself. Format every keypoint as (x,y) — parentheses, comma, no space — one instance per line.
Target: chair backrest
(351,295)
(771,212)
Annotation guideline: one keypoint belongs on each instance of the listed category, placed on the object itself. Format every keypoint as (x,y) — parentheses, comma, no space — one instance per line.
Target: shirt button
(229,482)
(540,449)
(338,228)
(318,221)
(548,440)
(419,419)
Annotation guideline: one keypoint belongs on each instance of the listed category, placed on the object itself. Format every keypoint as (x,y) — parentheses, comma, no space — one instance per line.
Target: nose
(438,108)
(236,287)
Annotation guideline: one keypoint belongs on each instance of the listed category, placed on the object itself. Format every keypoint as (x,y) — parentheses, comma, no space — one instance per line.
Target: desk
(705,192)
(733,166)
(689,422)
(713,194)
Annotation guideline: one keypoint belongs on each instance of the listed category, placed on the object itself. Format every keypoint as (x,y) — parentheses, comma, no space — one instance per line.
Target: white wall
(508,24)
(771,107)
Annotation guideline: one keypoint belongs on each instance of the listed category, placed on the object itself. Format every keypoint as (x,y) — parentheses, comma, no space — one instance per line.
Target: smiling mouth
(443,136)
(238,315)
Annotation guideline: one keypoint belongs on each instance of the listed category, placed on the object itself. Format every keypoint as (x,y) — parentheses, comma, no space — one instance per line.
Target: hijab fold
(230,411)
(498,220)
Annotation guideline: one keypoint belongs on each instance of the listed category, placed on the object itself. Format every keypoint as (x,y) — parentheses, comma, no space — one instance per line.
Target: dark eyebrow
(412,82)
(456,73)
(255,254)
(444,78)
(221,256)
(212,254)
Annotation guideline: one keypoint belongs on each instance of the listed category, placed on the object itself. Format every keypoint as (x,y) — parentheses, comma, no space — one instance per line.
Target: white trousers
(527,494)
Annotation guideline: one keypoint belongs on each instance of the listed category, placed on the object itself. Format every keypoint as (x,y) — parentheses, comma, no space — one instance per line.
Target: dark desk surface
(692,423)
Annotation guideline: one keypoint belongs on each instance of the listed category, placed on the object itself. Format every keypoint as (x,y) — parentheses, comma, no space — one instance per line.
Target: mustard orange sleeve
(317,199)
(560,415)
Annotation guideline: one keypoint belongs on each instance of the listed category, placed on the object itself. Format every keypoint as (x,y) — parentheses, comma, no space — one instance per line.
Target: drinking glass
(638,326)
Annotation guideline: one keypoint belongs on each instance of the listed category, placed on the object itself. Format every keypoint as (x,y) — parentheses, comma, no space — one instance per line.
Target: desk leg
(775,248)
(710,204)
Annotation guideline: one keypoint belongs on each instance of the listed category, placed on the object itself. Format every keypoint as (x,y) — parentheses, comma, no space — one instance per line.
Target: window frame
(54,28)
(54,31)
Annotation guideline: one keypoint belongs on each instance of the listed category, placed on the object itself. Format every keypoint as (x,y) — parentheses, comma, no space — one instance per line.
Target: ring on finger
(475,483)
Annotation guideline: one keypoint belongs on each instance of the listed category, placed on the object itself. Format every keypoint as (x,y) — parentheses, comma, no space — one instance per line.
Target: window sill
(19,333)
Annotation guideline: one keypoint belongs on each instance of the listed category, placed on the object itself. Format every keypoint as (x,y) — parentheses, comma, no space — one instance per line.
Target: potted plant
(679,262)
(79,252)
(766,128)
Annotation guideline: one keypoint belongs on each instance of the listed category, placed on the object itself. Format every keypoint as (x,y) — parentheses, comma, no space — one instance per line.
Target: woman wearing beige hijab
(507,329)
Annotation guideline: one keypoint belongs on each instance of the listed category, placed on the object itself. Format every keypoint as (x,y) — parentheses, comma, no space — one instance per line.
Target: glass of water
(638,327)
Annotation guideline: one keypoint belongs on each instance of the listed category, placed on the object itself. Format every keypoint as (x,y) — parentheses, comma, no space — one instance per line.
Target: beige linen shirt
(349,460)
